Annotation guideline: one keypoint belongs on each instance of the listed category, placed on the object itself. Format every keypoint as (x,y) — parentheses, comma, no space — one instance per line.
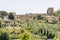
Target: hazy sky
(27,6)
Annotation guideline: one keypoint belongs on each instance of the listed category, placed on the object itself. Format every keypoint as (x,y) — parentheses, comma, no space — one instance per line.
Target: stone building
(50,11)
(52,19)
(25,16)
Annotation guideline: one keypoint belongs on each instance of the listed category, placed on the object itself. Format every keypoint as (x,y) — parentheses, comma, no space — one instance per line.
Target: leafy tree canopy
(3,13)
(11,17)
(57,13)
(39,17)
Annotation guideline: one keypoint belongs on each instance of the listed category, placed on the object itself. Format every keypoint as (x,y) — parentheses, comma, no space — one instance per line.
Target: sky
(28,6)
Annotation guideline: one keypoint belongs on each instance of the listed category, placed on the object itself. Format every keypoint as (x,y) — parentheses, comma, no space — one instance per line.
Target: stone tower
(50,11)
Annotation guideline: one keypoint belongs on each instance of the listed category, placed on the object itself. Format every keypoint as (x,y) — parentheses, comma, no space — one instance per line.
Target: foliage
(24,36)
(57,13)
(3,13)
(0,23)
(34,30)
(4,36)
(39,17)
(11,17)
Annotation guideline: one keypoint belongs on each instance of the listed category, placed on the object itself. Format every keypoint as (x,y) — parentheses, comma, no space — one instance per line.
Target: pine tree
(11,17)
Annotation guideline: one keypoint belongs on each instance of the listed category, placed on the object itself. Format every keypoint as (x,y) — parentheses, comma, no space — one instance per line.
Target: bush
(24,36)
(4,36)
(11,17)
(39,17)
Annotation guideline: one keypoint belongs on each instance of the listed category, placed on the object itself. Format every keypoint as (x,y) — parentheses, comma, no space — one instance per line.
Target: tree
(3,13)
(0,23)
(39,17)
(57,13)
(11,17)
(4,36)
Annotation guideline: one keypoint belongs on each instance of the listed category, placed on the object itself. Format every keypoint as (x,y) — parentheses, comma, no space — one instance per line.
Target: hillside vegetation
(32,29)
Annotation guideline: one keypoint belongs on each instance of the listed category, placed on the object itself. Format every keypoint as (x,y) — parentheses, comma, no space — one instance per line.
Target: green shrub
(0,23)
(4,36)
(24,36)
